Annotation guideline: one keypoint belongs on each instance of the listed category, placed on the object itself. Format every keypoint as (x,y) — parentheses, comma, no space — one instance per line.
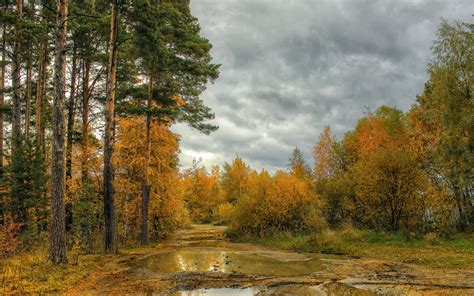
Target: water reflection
(330,289)
(219,292)
(208,259)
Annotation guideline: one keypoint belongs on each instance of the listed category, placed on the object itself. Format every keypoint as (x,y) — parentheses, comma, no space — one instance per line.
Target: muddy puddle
(228,261)
(328,289)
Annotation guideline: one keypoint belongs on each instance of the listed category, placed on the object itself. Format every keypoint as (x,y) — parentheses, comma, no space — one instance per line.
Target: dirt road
(200,261)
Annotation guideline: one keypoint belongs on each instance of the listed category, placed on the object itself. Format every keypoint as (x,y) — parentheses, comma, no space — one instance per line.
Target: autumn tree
(201,193)
(333,183)
(390,191)
(235,179)
(446,111)
(167,210)
(279,203)
(324,156)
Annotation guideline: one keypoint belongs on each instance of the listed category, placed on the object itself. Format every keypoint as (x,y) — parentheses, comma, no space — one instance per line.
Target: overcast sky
(291,67)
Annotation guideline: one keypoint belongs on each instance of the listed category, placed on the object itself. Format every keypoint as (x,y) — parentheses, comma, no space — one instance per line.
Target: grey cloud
(291,67)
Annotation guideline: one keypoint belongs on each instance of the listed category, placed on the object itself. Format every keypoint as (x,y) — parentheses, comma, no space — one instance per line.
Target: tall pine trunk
(2,98)
(29,73)
(19,212)
(29,76)
(85,120)
(146,177)
(39,95)
(2,101)
(109,211)
(71,108)
(57,253)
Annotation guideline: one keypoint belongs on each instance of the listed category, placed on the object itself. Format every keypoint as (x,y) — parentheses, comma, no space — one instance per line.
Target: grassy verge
(458,252)
(31,273)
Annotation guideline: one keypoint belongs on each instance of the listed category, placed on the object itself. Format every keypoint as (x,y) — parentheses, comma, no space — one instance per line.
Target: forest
(90,90)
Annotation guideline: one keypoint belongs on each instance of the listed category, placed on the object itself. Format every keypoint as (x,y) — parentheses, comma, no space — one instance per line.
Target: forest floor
(202,261)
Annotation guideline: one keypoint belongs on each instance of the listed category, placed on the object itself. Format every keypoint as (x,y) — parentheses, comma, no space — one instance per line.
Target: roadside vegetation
(349,242)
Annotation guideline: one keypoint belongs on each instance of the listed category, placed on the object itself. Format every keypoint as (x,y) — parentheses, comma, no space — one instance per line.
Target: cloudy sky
(291,67)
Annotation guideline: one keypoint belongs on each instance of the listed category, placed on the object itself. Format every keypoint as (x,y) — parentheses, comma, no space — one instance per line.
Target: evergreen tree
(177,63)
(109,210)
(298,166)
(30,184)
(58,249)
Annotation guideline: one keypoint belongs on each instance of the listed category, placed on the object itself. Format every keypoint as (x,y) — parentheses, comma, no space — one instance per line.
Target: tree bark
(109,212)
(146,177)
(39,95)
(2,97)
(85,120)
(29,72)
(71,108)
(57,253)
(2,101)
(19,213)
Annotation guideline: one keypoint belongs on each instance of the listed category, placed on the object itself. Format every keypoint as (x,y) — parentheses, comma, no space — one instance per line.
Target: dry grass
(31,273)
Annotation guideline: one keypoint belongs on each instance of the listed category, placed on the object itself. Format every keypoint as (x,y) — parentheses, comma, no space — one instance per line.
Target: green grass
(457,252)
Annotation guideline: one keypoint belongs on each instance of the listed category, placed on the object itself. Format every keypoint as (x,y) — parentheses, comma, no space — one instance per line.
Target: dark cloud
(291,67)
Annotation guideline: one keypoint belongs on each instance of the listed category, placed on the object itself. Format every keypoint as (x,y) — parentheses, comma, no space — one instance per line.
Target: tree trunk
(57,253)
(2,101)
(19,213)
(109,212)
(71,108)
(40,92)
(146,177)
(29,73)
(2,98)
(29,76)
(85,120)
(28,93)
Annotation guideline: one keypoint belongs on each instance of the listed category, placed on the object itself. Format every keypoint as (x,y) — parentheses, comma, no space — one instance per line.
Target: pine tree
(298,166)
(58,228)
(109,210)
(176,60)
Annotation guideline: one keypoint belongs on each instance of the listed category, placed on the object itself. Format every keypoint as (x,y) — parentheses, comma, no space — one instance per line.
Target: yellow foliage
(224,213)
(202,193)
(282,202)
(324,158)
(167,209)
(390,190)
(235,179)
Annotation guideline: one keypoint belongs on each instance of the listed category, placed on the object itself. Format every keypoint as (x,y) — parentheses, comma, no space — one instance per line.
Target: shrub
(10,241)
(280,203)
